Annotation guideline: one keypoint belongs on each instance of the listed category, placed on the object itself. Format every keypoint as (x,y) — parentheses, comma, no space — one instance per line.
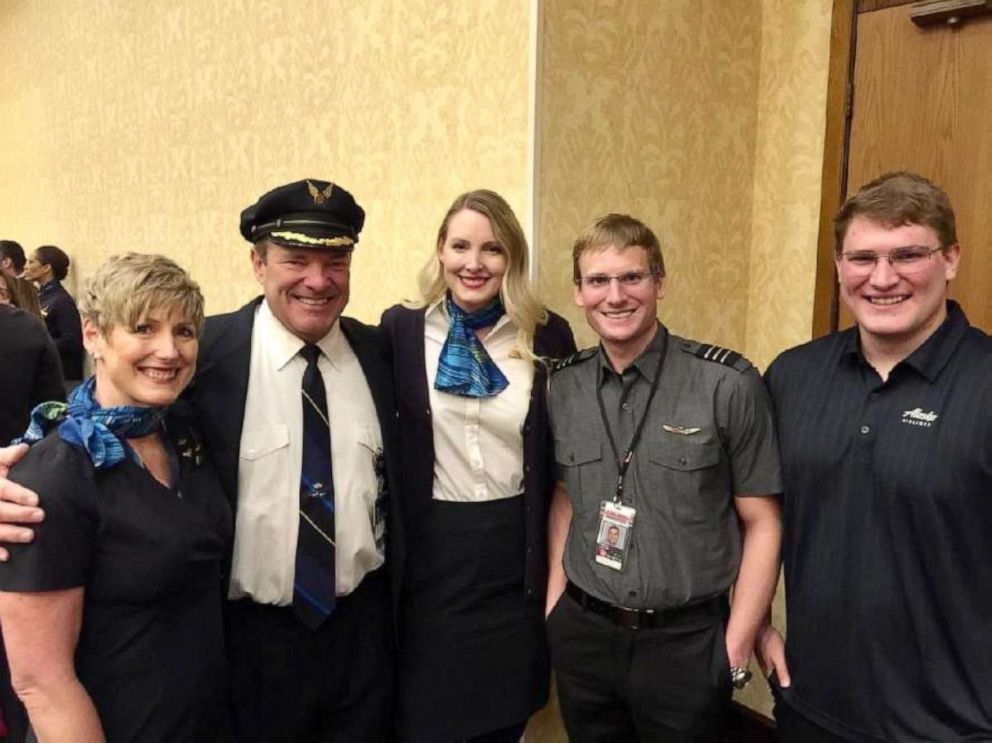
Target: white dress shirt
(271,462)
(478,441)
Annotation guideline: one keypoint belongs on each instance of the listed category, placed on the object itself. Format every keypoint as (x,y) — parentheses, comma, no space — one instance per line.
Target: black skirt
(473,655)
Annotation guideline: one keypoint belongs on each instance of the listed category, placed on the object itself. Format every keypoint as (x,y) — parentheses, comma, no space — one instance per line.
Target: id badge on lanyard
(616,523)
(616,520)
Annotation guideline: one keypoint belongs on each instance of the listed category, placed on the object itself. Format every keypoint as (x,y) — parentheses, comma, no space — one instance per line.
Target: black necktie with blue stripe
(313,584)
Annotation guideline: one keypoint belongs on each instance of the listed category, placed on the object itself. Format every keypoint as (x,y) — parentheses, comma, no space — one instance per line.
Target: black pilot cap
(305,214)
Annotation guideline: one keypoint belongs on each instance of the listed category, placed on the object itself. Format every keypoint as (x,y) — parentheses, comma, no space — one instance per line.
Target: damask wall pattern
(788,161)
(133,126)
(651,109)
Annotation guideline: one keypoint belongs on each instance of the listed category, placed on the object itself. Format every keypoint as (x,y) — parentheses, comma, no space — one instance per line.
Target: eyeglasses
(601,281)
(904,261)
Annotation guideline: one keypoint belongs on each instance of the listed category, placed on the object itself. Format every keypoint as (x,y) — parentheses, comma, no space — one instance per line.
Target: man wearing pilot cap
(295,403)
(310,631)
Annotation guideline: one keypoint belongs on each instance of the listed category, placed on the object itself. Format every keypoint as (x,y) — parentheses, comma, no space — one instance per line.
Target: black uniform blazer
(404,331)
(62,321)
(30,371)
(220,388)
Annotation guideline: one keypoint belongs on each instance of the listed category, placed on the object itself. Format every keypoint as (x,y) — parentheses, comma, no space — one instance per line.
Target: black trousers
(618,685)
(290,684)
(795,728)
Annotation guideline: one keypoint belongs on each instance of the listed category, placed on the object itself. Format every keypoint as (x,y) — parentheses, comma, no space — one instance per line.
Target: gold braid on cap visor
(331,242)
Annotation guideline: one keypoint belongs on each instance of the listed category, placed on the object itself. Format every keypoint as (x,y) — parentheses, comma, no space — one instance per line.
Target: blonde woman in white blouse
(470,377)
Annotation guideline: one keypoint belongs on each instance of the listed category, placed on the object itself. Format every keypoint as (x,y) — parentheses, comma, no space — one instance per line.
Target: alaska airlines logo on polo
(919,417)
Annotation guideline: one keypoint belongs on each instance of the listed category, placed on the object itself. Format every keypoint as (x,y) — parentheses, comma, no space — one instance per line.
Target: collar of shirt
(436,318)
(932,356)
(646,364)
(283,346)
(48,289)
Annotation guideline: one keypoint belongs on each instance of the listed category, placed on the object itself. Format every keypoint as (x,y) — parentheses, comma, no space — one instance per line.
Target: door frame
(833,180)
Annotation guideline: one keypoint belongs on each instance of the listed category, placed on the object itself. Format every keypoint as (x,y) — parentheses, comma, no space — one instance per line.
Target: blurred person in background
(30,371)
(47,267)
(20,292)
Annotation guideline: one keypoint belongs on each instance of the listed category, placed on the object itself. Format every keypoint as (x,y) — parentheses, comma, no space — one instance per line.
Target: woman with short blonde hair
(112,616)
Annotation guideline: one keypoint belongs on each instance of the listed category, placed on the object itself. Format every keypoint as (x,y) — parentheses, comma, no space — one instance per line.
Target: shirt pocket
(685,456)
(261,442)
(688,473)
(263,471)
(576,452)
(580,466)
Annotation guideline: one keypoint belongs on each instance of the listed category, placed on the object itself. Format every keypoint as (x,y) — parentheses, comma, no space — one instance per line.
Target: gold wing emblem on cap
(320,197)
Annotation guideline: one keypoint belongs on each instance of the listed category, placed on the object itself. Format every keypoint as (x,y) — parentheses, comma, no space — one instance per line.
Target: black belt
(649,618)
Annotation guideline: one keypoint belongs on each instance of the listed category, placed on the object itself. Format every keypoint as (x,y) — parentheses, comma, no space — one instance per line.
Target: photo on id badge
(613,537)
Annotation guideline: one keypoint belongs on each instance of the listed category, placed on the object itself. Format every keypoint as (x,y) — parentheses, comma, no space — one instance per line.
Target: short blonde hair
(620,231)
(515,290)
(126,288)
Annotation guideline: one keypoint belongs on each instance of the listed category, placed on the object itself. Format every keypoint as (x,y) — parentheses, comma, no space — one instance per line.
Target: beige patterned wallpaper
(653,112)
(149,127)
(787,164)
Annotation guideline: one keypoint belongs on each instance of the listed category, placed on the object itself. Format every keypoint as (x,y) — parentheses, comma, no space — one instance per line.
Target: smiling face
(472,261)
(895,312)
(147,366)
(306,289)
(624,317)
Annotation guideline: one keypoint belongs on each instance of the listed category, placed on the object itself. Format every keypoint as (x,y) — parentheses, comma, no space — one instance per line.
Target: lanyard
(624,462)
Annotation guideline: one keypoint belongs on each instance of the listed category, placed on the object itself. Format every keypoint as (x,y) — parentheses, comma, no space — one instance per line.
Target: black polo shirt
(888,535)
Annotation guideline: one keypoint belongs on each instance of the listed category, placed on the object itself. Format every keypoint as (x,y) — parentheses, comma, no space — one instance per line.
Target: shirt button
(626,406)
(527,468)
(683,461)
(632,594)
(865,429)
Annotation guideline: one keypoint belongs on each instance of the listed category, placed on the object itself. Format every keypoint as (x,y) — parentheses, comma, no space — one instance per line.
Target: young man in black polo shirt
(886,444)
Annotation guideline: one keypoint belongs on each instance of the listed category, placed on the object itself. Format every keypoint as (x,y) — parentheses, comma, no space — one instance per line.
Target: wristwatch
(739,676)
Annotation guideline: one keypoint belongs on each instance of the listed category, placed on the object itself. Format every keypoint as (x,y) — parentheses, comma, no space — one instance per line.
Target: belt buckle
(632,618)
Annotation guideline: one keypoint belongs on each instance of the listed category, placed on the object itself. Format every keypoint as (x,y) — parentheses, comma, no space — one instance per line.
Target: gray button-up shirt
(708,437)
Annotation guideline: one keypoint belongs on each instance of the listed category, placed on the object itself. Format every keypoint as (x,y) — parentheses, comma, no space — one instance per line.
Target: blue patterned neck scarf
(465,368)
(100,432)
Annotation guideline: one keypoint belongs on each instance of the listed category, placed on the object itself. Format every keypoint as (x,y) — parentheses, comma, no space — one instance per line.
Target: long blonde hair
(515,290)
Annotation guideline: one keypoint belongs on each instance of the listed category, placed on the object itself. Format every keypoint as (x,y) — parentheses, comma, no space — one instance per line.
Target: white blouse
(478,442)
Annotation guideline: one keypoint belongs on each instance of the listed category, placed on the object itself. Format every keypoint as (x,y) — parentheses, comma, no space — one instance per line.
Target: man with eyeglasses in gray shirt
(668,463)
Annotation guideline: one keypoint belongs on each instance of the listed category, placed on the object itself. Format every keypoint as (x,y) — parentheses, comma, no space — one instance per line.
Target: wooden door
(922,101)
